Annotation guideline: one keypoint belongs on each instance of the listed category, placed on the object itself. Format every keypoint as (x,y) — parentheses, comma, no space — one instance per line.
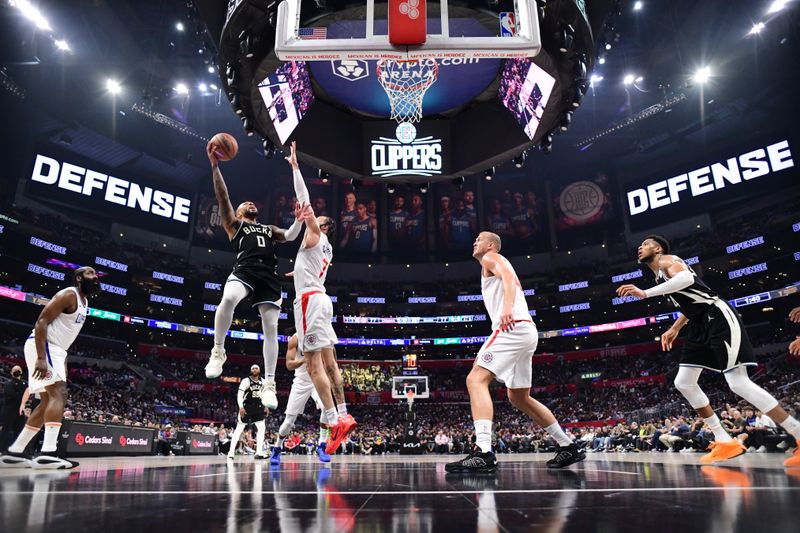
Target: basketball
(225,146)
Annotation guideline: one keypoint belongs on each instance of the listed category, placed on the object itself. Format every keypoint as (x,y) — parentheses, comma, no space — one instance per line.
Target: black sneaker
(476,461)
(565,456)
(15,460)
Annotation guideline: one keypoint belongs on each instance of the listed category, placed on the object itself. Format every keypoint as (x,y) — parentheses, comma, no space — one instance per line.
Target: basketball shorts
(56,365)
(264,286)
(507,355)
(313,317)
(253,412)
(717,340)
(302,390)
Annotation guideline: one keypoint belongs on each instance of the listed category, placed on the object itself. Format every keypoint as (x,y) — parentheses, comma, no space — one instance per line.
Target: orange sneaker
(339,432)
(722,451)
(724,477)
(794,460)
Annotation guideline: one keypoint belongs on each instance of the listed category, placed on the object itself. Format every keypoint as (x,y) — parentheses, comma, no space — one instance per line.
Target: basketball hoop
(406,81)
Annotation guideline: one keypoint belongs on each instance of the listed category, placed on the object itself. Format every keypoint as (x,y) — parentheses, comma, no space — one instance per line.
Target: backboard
(361,32)
(401,384)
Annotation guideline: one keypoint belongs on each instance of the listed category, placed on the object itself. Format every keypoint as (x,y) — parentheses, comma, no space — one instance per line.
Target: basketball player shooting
(313,313)
(58,325)
(716,340)
(506,356)
(302,389)
(255,273)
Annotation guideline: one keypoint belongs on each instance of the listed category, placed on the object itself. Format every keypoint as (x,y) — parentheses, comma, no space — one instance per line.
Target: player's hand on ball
(794,347)
(667,338)
(794,314)
(630,290)
(212,157)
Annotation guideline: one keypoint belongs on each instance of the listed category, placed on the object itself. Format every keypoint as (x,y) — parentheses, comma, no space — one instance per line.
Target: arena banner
(66,179)
(95,440)
(583,202)
(708,181)
(208,228)
(457,217)
(625,382)
(197,443)
(358,229)
(195,387)
(514,208)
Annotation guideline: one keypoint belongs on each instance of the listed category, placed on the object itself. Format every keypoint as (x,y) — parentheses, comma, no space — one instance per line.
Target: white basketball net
(406,83)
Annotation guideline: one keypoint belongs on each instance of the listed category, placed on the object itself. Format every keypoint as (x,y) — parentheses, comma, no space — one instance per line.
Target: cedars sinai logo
(122,440)
(79,439)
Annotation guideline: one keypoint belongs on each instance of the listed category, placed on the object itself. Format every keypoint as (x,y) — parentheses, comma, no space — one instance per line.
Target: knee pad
(687,385)
(741,385)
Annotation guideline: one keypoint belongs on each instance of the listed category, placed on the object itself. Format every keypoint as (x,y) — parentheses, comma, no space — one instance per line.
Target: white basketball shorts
(302,390)
(56,365)
(507,355)
(313,316)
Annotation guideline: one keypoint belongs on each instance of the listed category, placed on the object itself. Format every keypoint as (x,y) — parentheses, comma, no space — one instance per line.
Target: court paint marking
(396,492)
(361,468)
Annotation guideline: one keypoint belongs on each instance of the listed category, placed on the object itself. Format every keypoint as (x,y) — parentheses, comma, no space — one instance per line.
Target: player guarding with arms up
(255,273)
(302,390)
(716,341)
(58,325)
(506,356)
(313,313)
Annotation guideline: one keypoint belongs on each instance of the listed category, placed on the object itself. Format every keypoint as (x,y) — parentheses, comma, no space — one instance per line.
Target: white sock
(269,377)
(269,324)
(51,430)
(324,434)
(260,435)
(720,435)
(483,435)
(341,409)
(792,426)
(555,431)
(23,439)
(279,442)
(331,417)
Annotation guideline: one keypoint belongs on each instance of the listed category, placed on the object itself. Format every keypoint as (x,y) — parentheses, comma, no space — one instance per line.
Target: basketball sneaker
(794,460)
(565,456)
(215,362)
(339,432)
(722,451)
(268,397)
(51,462)
(275,456)
(476,461)
(323,457)
(15,460)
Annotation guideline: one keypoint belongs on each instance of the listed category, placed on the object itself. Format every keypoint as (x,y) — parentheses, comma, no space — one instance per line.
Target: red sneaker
(339,432)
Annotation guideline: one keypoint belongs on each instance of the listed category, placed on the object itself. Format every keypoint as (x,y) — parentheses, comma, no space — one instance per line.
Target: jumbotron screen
(287,95)
(524,90)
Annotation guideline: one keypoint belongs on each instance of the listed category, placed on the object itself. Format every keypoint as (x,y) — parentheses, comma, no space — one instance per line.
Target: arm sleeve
(300,189)
(293,231)
(240,395)
(679,281)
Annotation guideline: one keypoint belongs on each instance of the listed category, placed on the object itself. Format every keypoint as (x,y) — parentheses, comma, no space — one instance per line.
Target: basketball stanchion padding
(408,22)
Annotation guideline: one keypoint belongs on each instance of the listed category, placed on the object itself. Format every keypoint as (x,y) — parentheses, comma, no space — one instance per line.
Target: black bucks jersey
(696,299)
(256,265)
(252,399)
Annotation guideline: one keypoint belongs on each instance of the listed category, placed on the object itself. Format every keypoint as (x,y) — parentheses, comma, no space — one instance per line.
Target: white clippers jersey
(65,328)
(301,372)
(492,291)
(311,266)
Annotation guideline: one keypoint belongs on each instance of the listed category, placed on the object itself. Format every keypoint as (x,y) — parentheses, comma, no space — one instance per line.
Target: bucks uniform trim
(254,410)
(256,266)
(716,338)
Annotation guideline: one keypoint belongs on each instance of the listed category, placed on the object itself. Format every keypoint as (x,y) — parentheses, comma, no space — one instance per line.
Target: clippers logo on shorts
(311,339)
(350,69)
(407,154)
(487,357)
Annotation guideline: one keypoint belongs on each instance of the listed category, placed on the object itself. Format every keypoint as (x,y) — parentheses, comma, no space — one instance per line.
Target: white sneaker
(215,362)
(14,460)
(268,397)
(51,462)
(751,449)
(761,449)
(782,445)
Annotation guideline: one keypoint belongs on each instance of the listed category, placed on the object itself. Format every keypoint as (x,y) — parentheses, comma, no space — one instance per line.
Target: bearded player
(313,313)
(716,340)
(302,390)
(58,325)
(255,273)
(506,356)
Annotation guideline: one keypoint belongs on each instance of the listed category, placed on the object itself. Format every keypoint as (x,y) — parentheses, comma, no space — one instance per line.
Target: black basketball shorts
(717,340)
(263,284)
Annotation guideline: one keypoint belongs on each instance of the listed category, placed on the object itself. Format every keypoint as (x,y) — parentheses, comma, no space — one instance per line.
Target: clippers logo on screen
(406,155)
(88,182)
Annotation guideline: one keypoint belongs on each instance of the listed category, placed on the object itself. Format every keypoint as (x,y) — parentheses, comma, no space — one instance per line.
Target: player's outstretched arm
(226,212)
(313,234)
(292,232)
(300,189)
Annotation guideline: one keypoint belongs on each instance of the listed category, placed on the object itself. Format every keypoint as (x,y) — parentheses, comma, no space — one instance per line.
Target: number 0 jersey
(254,245)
